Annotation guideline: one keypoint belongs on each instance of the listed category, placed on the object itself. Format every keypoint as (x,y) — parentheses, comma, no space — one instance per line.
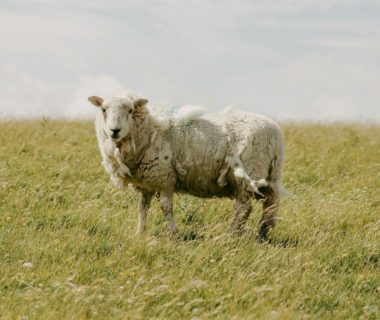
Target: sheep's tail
(276,168)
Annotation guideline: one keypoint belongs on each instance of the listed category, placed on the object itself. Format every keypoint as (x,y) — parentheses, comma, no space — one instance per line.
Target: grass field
(68,248)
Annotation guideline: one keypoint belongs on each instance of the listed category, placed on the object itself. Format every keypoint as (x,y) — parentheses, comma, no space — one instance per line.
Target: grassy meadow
(68,248)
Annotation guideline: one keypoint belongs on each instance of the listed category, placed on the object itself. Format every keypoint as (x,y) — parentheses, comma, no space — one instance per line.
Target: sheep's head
(119,113)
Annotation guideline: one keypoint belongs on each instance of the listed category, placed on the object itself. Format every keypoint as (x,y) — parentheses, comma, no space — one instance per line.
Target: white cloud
(327,109)
(89,86)
(22,95)
(325,87)
(334,108)
(25,96)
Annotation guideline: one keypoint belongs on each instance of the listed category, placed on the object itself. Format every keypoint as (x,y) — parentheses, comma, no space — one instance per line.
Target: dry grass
(68,250)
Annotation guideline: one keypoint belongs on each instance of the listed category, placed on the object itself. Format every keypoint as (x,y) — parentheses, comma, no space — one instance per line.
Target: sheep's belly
(203,188)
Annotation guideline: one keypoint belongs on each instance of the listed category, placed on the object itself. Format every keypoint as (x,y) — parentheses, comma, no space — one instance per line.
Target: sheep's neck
(134,146)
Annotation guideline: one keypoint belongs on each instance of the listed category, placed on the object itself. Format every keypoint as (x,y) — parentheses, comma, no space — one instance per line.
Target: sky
(315,60)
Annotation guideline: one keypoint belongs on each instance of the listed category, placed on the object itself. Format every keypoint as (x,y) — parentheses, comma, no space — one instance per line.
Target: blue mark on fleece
(173,110)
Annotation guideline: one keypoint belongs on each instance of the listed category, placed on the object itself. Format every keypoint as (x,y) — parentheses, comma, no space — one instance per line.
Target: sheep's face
(118,114)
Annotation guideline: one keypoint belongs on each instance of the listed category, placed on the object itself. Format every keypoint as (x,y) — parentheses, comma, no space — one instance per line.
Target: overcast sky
(302,59)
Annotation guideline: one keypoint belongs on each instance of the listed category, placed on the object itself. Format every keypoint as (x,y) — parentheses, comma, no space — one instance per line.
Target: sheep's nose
(115,132)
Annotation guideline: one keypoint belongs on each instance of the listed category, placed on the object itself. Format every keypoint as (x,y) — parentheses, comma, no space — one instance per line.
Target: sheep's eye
(130,111)
(104,110)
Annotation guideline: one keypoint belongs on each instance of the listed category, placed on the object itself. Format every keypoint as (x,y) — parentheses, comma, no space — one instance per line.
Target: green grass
(59,212)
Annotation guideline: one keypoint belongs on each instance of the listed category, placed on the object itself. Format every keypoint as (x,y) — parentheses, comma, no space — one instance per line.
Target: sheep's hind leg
(270,208)
(242,211)
(144,204)
(166,204)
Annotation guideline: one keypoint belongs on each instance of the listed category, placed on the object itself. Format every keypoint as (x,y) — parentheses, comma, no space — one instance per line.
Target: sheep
(232,154)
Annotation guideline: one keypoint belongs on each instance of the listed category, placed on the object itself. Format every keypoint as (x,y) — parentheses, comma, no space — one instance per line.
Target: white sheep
(232,154)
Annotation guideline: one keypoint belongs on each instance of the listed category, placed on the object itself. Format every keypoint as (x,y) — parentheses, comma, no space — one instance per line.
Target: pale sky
(297,59)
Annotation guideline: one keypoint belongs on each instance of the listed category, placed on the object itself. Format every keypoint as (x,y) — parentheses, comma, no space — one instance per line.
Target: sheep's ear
(140,102)
(96,101)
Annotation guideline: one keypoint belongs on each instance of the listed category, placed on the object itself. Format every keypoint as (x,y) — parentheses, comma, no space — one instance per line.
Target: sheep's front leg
(166,204)
(144,204)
